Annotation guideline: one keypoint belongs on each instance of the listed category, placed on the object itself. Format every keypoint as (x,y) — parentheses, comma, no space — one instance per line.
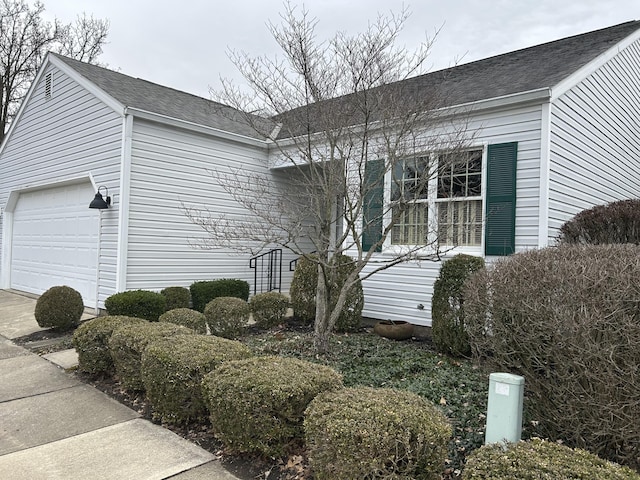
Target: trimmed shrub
(303,289)
(177,297)
(173,369)
(137,303)
(568,320)
(616,222)
(227,316)
(127,343)
(447,305)
(375,433)
(192,319)
(59,308)
(305,283)
(269,308)
(91,341)
(539,460)
(203,292)
(257,405)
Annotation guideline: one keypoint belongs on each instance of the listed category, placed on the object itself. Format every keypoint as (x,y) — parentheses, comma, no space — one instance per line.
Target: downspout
(123,204)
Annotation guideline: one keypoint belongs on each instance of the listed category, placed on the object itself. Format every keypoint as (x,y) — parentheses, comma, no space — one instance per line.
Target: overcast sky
(184,44)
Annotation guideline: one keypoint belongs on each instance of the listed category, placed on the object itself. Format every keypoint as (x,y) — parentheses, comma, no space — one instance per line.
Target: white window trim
(393,250)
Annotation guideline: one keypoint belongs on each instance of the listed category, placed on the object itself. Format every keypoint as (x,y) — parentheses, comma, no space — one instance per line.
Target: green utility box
(504,408)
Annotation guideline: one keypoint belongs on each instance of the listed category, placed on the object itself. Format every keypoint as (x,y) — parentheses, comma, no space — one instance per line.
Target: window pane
(460,223)
(411,226)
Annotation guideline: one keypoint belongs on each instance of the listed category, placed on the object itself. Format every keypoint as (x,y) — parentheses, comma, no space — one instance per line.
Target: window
(459,200)
(454,197)
(410,200)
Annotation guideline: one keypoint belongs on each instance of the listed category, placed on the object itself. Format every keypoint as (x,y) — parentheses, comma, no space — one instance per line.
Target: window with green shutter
(373,204)
(500,226)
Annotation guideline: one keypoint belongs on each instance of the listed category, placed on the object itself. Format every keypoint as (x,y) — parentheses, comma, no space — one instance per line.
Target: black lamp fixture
(99,202)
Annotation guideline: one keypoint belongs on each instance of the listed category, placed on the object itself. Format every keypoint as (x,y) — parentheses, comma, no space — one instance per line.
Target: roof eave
(539,95)
(196,127)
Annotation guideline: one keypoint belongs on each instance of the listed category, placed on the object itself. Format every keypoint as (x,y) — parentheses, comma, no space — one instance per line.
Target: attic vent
(48,85)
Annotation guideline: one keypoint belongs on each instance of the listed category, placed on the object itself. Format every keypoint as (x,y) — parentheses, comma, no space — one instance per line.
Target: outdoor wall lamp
(99,202)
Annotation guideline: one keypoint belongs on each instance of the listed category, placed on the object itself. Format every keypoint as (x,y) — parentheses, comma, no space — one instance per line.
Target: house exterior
(554,129)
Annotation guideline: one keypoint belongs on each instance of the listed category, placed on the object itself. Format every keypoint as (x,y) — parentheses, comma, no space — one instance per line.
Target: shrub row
(269,404)
(567,319)
(150,305)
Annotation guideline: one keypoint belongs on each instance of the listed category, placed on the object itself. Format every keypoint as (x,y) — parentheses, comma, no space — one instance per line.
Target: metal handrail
(269,265)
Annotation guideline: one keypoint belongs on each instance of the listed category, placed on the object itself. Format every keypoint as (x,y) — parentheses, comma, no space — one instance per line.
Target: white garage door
(55,240)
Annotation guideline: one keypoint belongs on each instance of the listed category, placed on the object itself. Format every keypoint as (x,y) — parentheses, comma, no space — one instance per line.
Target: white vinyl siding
(170,166)
(397,292)
(595,140)
(72,135)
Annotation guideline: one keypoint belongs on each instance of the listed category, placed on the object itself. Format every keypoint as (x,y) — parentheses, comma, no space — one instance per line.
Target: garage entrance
(55,240)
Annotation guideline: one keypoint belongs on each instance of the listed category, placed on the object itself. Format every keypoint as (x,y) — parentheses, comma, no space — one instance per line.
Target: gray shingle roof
(151,97)
(523,70)
(533,68)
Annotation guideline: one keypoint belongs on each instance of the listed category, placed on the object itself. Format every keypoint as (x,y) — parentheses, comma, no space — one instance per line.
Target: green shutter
(500,228)
(373,204)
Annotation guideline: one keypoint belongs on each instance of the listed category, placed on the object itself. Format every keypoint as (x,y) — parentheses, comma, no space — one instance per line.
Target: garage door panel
(55,240)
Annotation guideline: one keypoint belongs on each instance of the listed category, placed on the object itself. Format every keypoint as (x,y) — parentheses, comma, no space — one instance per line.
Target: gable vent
(48,85)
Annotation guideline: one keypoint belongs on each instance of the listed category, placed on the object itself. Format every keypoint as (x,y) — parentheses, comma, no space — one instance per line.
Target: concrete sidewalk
(53,426)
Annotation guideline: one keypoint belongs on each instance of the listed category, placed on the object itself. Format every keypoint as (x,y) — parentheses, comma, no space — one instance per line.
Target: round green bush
(305,283)
(616,222)
(192,319)
(137,303)
(205,291)
(269,308)
(375,433)
(227,316)
(176,297)
(538,460)
(91,341)
(59,308)
(258,404)
(566,318)
(447,305)
(173,369)
(127,343)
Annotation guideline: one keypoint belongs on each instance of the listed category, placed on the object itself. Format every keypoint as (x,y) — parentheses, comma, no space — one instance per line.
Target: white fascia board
(582,73)
(91,87)
(195,127)
(536,96)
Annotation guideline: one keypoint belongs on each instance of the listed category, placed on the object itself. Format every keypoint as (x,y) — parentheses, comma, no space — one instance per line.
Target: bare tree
(25,39)
(342,119)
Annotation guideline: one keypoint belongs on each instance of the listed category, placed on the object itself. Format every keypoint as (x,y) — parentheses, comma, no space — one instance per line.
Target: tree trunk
(322,324)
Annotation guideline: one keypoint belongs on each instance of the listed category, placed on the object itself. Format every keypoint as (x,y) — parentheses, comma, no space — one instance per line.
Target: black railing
(294,262)
(267,271)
